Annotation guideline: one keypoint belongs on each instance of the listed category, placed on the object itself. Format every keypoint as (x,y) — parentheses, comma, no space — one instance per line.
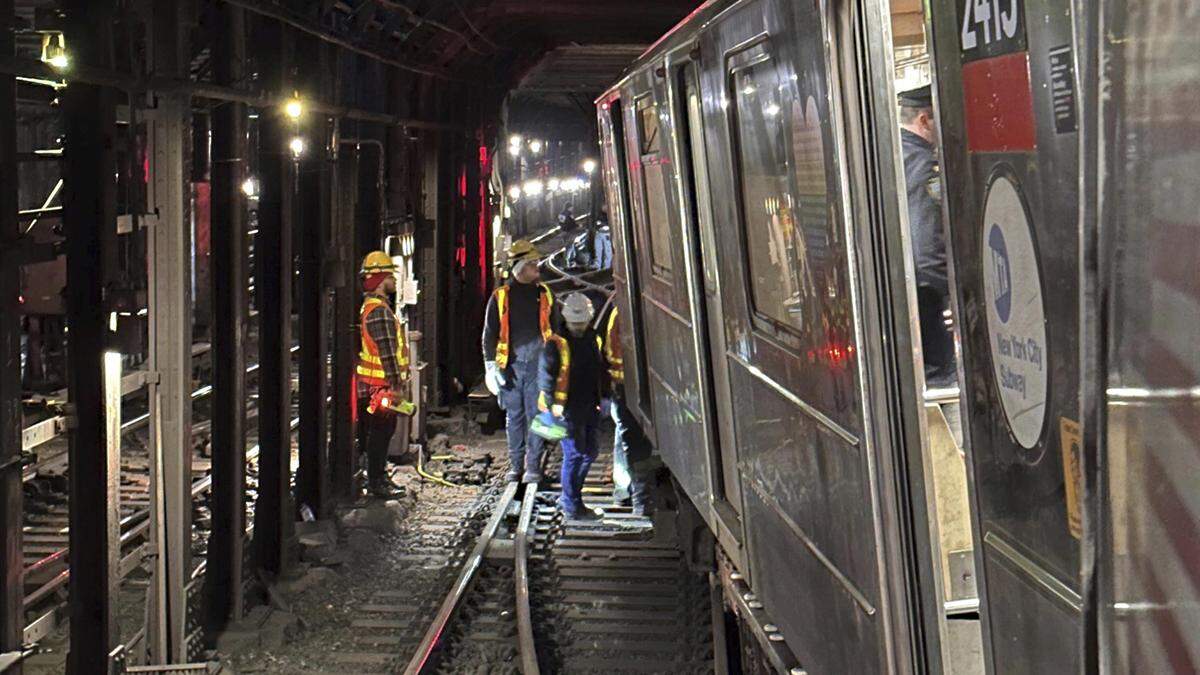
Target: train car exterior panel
(788,311)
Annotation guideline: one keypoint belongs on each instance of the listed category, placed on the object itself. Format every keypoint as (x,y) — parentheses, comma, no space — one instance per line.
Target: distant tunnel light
(533,188)
(296,146)
(54,51)
(589,165)
(250,187)
(294,108)
(515,140)
(535,146)
(553,184)
(514,150)
(514,193)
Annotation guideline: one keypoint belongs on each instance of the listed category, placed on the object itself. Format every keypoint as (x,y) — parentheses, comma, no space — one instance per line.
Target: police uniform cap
(921,97)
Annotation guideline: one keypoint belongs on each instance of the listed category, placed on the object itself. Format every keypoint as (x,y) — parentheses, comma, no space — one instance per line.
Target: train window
(771,232)
(654,187)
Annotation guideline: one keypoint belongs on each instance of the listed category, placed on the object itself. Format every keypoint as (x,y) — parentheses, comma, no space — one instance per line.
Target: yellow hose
(428,476)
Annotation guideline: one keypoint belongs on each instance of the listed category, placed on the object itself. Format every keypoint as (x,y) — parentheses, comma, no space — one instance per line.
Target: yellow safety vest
(545,305)
(562,385)
(370,366)
(613,352)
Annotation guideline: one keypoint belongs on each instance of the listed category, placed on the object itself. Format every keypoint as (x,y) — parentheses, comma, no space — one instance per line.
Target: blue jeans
(629,451)
(519,400)
(579,450)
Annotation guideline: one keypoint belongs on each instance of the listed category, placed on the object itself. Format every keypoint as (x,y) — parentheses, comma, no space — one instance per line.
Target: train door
(1008,115)
(698,220)
(626,276)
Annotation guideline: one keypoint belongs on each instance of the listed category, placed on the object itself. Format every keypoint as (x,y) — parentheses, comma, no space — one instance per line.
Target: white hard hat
(577,308)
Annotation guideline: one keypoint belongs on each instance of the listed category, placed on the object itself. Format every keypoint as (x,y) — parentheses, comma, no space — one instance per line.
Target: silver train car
(1048,509)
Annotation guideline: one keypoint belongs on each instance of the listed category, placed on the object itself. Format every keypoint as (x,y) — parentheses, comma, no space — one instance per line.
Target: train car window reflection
(654,187)
(695,123)
(779,280)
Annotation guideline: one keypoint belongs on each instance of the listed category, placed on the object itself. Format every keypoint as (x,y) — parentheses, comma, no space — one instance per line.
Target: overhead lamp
(514,150)
(297,146)
(553,184)
(589,165)
(54,51)
(294,108)
(514,192)
(535,146)
(515,139)
(250,187)
(533,187)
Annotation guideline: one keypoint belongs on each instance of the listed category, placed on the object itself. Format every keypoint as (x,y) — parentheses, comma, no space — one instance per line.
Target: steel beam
(345,333)
(90,223)
(273,278)
(223,579)
(313,218)
(12,613)
(168,252)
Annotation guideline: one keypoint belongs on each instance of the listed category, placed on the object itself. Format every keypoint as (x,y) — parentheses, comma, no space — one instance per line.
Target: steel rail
(529,660)
(466,578)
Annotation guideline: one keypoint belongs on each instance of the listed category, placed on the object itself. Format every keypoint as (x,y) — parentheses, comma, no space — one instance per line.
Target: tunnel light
(250,187)
(514,150)
(535,146)
(534,187)
(54,51)
(514,193)
(294,108)
(589,165)
(515,139)
(296,146)
(553,184)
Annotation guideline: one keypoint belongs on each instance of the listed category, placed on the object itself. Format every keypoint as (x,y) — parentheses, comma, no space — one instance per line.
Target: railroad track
(540,594)
(46,514)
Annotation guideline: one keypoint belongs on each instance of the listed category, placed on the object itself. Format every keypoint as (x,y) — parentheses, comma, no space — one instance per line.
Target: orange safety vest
(545,305)
(612,349)
(562,385)
(370,366)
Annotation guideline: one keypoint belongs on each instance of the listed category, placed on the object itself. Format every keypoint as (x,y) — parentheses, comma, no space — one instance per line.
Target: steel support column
(273,278)
(345,331)
(223,579)
(313,215)
(11,590)
(90,224)
(168,251)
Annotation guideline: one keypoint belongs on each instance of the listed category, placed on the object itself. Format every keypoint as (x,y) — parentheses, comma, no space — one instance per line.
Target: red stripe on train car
(1175,517)
(999,104)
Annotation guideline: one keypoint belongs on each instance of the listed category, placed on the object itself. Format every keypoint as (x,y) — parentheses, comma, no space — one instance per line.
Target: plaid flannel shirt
(381,326)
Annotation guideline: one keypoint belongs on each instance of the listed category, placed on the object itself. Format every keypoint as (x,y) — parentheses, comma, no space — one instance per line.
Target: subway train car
(1042,517)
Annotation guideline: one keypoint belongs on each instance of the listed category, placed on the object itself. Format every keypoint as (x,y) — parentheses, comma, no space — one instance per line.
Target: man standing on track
(922,177)
(570,381)
(630,446)
(517,324)
(382,374)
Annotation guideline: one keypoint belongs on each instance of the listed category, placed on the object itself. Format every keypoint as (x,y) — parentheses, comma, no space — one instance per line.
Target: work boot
(382,490)
(512,476)
(621,498)
(585,515)
(638,511)
(532,477)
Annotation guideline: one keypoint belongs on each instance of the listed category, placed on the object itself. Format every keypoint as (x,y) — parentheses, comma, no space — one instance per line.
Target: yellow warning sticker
(1072,446)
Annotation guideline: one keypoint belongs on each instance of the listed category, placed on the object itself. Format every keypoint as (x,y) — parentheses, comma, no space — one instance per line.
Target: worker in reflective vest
(517,324)
(570,381)
(382,375)
(631,448)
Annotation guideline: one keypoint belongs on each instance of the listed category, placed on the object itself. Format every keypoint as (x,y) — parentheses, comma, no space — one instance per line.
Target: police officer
(630,446)
(570,379)
(919,137)
(517,324)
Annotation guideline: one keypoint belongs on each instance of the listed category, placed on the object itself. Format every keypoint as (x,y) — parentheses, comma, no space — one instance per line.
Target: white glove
(493,377)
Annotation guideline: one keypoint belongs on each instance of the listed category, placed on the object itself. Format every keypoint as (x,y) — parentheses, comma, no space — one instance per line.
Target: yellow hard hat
(523,249)
(377,261)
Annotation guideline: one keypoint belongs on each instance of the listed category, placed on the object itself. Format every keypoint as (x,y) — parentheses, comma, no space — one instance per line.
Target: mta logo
(1001,273)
